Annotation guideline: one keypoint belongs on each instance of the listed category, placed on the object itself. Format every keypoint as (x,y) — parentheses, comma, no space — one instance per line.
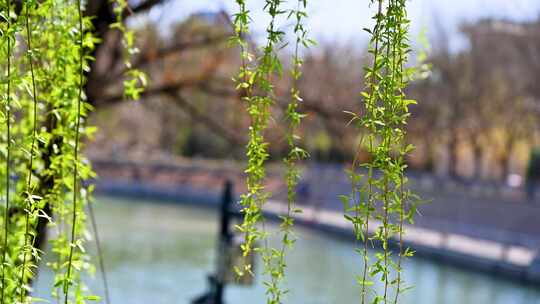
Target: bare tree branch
(178,47)
(207,120)
(306,105)
(152,91)
(146,5)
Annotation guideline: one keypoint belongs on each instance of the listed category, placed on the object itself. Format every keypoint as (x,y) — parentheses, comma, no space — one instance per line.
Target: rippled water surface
(161,253)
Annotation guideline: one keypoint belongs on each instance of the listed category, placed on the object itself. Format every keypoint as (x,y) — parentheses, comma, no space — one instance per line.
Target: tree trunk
(46,184)
(452,156)
(504,160)
(478,156)
(429,153)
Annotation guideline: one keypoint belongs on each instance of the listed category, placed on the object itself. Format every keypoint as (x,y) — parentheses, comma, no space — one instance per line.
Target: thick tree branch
(208,71)
(208,121)
(306,105)
(152,56)
(146,5)
(153,91)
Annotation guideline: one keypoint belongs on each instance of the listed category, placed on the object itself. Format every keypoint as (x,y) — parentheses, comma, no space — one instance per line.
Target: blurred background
(166,157)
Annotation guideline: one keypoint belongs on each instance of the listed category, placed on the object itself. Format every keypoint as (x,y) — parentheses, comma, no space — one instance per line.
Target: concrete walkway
(488,233)
(516,262)
(415,236)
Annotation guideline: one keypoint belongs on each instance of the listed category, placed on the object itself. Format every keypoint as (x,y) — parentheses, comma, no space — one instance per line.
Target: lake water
(161,253)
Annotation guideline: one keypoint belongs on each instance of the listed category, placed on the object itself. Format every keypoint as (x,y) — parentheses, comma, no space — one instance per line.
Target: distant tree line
(478,115)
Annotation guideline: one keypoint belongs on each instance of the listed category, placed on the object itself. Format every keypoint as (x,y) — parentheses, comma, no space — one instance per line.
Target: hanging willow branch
(260,80)
(380,193)
(31,207)
(269,65)
(135,81)
(296,153)
(73,244)
(8,36)
(43,135)
(244,82)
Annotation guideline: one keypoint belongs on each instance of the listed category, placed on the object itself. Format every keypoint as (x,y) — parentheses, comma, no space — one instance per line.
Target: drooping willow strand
(244,83)
(67,282)
(257,92)
(397,114)
(370,104)
(295,154)
(99,252)
(269,68)
(135,79)
(363,197)
(257,89)
(387,84)
(7,36)
(405,195)
(383,195)
(30,204)
(42,93)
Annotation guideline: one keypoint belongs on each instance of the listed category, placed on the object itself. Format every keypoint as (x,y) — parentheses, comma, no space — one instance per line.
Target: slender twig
(8,153)
(388,100)
(402,197)
(76,155)
(295,153)
(241,27)
(369,202)
(101,261)
(369,104)
(31,160)
(385,240)
(264,77)
(401,220)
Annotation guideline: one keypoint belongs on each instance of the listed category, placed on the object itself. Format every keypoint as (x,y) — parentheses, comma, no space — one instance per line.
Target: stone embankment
(479,227)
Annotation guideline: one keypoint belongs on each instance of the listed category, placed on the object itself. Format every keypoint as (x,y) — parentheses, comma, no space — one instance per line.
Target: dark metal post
(225,237)
(225,233)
